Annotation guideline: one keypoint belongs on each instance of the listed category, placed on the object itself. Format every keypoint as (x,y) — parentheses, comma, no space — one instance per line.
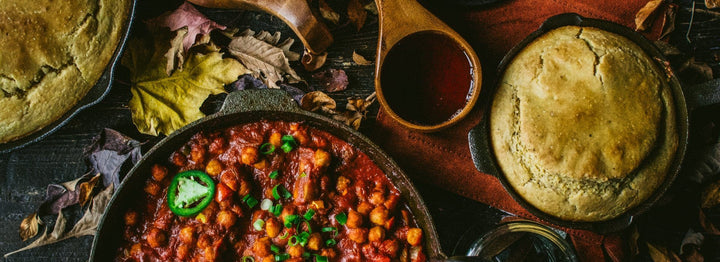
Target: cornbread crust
(583,124)
(53,53)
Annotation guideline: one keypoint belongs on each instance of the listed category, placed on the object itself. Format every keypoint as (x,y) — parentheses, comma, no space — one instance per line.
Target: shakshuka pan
(269,191)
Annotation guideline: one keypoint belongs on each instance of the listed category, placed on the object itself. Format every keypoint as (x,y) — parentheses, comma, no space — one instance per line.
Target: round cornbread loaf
(583,124)
(52,54)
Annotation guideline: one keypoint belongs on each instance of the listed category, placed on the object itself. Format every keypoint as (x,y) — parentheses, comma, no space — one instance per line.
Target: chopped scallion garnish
(320,258)
(280,191)
(277,209)
(306,255)
(283,257)
(303,238)
(309,214)
(284,236)
(293,241)
(266,204)
(275,249)
(267,148)
(248,259)
(286,147)
(290,220)
(250,201)
(274,174)
(330,242)
(330,229)
(341,218)
(258,224)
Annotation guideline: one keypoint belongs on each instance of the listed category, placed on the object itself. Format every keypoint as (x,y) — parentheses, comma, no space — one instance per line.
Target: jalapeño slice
(190,192)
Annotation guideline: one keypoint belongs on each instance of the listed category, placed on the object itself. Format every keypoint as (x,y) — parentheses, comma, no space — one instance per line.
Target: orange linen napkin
(443,158)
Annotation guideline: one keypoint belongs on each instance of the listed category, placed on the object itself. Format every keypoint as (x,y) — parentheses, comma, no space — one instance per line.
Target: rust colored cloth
(443,158)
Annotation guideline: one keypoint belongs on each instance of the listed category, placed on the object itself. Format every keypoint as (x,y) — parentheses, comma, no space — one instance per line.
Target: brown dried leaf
(669,20)
(711,195)
(372,8)
(356,111)
(356,13)
(328,13)
(691,253)
(646,15)
(633,243)
(186,16)
(706,224)
(87,188)
(174,55)
(360,60)
(710,4)
(332,80)
(264,57)
(317,100)
(661,254)
(29,226)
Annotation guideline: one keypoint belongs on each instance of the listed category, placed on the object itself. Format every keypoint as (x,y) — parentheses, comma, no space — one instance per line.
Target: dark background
(25,173)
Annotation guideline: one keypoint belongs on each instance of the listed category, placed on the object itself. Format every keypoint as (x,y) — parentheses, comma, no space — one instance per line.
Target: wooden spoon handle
(314,35)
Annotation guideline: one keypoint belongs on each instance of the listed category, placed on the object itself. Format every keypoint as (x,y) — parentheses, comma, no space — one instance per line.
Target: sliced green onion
(284,236)
(275,192)
(303,174)
(250,201)
(306,223)
(290,220)
(274,174)
(330,242)
(309,214)
(267,148)
(248,259)
(306,255)
(283,257)
(277,209)
(266,204)
(303,238)
(320,258)
(275,249)
(341,218)
(280,191)
(288,139)
(330,229)
(293,241)
(258,225)
(287,147)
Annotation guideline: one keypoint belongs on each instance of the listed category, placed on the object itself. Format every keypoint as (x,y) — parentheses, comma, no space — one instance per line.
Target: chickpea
(203,241)
(391,201)
(210,254)
(295,251)
(390,247)
(262,164)
(342,185)
(268,258)
(314,241)
(156,238)
(364,208)
(197,153)
(377,198)
(379,215)
(214,167)
(272,227)
(131,218)
(300,137)
(414,236)
(275,139)
(226,218)
(187,234)
(152,188)
(179,159)
(376,234)
(245,188)
(159,172)
(249,155)
(328,252)
(261,247)
(322,158)
(359,235)
(354,219)
(182,251)
(217,146)
(136,249)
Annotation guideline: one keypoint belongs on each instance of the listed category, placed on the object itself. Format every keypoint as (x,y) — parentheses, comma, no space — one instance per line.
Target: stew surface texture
(283,191)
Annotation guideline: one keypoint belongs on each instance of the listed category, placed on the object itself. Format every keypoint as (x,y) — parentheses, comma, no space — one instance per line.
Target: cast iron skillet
(93,96)
(246,107)
(484,157)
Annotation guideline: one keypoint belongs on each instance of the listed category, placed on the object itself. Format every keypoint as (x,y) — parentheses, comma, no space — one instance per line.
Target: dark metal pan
(94,95)
(484,157)
(246,107)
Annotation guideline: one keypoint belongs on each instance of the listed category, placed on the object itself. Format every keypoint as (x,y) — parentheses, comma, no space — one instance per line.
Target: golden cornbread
(583,124)
(52,53)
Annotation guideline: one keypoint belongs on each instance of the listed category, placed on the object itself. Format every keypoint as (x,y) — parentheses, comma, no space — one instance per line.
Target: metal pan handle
(704,94)
(258,100)
(479,141)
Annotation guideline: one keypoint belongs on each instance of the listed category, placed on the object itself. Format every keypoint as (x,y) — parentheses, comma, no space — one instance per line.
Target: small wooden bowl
(400,19)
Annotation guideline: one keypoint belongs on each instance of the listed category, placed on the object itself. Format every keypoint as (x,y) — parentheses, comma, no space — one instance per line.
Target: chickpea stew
(281,191)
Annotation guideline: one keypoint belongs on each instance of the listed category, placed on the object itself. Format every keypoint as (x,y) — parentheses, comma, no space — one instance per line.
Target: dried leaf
(332,80)
(356,13)
(185,16)
(87,225)
(328,13)
(669,20)
(711,195)
(633,243)
(162,104)
(356,111)
(246,82)
(706,224)
(646,15)
(264,60)
(317,100)
(60,196)
(360,60)
(661,254)
(110,154)
(175,54)
(312,62)
(710,4)
(87,188)
(691,253)
(29,226)
(274,39)
(372,8)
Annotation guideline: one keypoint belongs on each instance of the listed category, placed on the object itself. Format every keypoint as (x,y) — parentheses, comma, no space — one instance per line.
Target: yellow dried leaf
(661,254)
(318,100)
(87,188)
(29,226)
(646,15)
(360,60)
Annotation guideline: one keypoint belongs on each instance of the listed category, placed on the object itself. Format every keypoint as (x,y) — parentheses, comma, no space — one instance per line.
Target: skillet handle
(479,142)
(258,100)
(704,94)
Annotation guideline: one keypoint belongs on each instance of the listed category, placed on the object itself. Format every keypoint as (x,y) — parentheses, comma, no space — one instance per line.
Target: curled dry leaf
(356,111)
(312,62)
(711,195)
(372,8)
(356,13)
(86,189)
(646,15)
(318,100)
(332,80)
(175,55)
(29,226)
(186,15)
(669,20)
(360,60)
(263,58)
(662,254)
(328,13)
(112,154)
(712,4)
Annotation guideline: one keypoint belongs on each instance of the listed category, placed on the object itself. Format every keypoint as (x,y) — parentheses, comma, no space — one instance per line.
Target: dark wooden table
(25,173)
